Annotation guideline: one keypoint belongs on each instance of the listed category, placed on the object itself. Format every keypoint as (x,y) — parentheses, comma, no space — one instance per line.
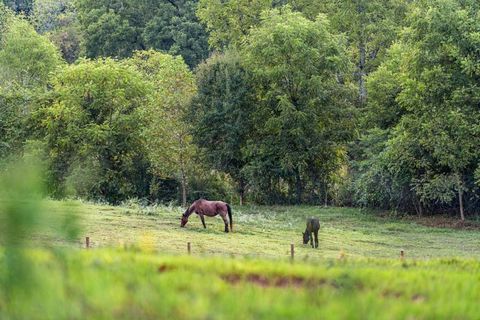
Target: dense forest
(372,103)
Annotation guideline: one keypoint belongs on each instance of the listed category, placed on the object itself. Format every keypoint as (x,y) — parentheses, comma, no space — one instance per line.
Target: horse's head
(306,237)
(184,220)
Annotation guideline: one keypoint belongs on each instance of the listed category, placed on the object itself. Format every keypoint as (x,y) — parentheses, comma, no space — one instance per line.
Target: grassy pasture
(266,232)
(138,268)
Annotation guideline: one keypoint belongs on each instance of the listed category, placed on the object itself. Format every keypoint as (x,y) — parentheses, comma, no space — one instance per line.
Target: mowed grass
(267,232)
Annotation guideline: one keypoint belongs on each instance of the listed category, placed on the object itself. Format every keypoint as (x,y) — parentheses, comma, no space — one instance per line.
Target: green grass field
(267,232)
(137,267)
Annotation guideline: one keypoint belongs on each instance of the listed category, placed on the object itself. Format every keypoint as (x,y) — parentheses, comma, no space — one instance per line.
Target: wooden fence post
(292,251)
(188,247)
(87,242)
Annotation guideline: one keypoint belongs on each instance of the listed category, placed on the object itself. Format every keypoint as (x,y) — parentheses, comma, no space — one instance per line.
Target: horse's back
(210,207)
(313,224)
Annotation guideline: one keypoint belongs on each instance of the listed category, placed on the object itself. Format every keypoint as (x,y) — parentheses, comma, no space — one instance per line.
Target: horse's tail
(230,216)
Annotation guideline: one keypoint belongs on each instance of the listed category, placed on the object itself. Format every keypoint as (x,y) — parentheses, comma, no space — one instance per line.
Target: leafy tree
(19,6)
(58,21)
(177,31)
(166,134)
(221,114)
(432,91)
(229,21)
(118,28)
(26,60)
(370,26)
(301,120)
(91,128)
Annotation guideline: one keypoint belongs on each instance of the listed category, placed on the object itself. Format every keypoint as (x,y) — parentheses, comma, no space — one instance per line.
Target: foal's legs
(316,238)
(203,221)
(225,220)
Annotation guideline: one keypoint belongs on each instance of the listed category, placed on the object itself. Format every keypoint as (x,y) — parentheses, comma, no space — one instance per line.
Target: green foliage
(303,114)
(22,214)
(26,58)
(229,21)
(92,119)
(26,61)
(58,21)
(19,6)
(370,26)
(166,134)
(176,30)
(221,114)
(427,98)
(118,28)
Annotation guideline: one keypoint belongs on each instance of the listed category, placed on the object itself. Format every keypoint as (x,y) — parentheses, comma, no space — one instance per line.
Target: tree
(229,21)
(166,134)
(221,113)
(90,124)
(371,26)
(177,31)
(118,28)
(26,60)
(302,118)
(19,6)
(433,147)
(57,19)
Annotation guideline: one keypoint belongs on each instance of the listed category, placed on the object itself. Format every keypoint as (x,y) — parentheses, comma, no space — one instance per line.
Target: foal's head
(306,237)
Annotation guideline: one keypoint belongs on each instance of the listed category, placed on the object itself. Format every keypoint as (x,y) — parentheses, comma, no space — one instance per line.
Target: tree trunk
(298,186)
(362,97)
(326,193)
(460,200)
(184,188)
(242,192)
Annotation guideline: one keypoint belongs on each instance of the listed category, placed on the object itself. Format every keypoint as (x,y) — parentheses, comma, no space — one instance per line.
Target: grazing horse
(312,227)
(207,208)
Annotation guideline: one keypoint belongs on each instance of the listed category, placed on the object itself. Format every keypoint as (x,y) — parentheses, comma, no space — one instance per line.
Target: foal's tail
(230,217)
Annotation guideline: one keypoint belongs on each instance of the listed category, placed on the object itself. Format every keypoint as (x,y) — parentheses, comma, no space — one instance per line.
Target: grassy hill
(137,267)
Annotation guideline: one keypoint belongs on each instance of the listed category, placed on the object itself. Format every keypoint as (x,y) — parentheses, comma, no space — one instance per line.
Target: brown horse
(207,208)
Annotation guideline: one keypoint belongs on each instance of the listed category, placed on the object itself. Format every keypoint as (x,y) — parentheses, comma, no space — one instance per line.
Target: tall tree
(229,21)
(371,26)
(177,31)
(302,118)
(166,134)
(221,114)
(433,147)
(118,28)
(57,19)
(26,60)
(90,124)
(19,6)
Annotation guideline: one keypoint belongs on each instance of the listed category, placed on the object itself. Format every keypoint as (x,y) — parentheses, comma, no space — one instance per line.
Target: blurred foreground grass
(119,284)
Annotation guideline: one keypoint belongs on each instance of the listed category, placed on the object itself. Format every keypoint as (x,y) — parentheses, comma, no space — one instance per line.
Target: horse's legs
(225,220)
(316,238)
(203,221)
(311,239)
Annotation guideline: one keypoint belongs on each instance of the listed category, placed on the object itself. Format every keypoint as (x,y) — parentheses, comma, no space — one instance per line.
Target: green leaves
(300,115)
(92,124)
(426,84)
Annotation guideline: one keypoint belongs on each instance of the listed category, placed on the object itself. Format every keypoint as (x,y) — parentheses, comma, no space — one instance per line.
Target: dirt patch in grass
(445,222)
(277,282)
(165,268)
